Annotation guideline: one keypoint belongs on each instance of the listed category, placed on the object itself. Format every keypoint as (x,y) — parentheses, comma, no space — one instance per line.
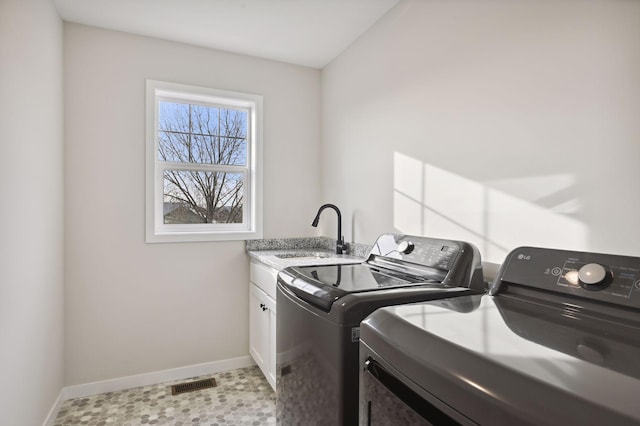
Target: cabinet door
(272,347)
(259,328)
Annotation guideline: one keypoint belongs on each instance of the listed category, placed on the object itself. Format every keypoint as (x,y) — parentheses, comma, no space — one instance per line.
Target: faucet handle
(341,246)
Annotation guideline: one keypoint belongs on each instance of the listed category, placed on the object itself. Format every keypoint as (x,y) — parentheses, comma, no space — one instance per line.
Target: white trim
(145,379)
(251,227)
(127,382)
(55,408)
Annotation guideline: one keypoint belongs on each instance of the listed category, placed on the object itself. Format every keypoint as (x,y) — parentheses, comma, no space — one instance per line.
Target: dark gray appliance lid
(395,261)
(323,285)
(500,360)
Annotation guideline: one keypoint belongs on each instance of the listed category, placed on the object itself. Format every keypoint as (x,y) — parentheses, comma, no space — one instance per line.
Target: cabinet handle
(263,306)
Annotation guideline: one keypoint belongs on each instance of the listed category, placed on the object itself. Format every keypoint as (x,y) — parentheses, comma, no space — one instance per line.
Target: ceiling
(302,32)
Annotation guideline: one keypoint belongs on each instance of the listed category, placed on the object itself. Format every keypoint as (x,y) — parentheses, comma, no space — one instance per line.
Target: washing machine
(320,309)
(555,342)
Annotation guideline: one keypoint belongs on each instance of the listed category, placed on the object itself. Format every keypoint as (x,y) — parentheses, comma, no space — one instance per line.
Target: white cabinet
(262,319)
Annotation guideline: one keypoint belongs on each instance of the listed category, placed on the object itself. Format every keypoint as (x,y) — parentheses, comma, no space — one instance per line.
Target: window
(203,164)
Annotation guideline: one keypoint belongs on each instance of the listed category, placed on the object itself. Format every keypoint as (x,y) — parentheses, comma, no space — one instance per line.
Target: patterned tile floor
(241,397)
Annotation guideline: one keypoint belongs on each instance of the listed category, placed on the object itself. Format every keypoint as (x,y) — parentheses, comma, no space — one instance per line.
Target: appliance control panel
(431,252)
(603,277)
(419,256)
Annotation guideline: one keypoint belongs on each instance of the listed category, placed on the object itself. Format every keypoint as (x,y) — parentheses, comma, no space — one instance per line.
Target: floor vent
(193,386)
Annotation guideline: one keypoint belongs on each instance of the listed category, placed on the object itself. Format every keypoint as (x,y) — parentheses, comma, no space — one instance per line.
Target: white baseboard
(121,383)
(53,413)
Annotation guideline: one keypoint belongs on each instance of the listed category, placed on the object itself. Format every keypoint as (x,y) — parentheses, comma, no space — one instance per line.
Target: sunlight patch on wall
(449,196)
(495,216)
(408,191)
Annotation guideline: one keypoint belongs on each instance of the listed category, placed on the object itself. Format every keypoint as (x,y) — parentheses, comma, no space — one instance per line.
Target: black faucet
(340,245)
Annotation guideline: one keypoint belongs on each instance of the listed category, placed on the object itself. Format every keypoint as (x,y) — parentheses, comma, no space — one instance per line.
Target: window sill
(185,237)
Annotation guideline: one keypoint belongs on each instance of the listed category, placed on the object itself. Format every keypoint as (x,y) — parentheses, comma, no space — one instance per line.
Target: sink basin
(305,254)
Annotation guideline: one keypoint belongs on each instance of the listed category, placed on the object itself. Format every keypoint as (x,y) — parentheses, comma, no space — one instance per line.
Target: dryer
(557,341)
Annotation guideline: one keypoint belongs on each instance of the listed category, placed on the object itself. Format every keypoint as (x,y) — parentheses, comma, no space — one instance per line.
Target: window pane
(173,146)
(204,149)
(200,134)
(202,197)
(232,145)
(204,120)
(173,117)
(233,123)
(233,151)
(173,132)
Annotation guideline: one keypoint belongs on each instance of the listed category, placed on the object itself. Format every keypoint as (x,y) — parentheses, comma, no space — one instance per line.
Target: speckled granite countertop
(285,252)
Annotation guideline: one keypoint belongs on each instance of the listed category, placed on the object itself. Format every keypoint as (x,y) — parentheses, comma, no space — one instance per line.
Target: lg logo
(524,257)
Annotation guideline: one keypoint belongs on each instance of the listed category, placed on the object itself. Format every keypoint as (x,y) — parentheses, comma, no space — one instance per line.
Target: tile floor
(241,397)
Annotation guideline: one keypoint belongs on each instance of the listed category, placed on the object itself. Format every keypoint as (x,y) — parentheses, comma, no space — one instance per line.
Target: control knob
(406,247)
(594,276)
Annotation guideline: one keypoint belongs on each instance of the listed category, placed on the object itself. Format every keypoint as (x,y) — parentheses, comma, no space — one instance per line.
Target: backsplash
(353,249)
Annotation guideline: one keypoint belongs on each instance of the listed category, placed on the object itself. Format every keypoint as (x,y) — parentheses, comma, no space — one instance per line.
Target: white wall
(133,307)
(31,218)
(502,123)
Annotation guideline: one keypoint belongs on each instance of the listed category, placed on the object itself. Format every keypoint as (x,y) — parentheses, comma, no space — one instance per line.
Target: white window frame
(159,232)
